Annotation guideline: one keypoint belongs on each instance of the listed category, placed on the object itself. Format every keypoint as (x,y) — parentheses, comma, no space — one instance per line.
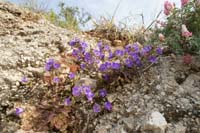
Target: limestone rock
(155,122)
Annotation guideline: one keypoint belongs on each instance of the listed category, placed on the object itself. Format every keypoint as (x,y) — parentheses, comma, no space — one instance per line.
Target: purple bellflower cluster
(103,59)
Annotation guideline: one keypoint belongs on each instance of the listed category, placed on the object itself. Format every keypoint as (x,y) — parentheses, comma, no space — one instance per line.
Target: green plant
(72,17)
(181,30)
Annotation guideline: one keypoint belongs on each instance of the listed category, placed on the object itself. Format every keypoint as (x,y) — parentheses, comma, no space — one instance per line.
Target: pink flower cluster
(168,7)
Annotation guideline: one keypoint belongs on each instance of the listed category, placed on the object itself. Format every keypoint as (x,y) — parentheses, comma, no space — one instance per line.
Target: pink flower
(184,2)
(168,7)
(185,32)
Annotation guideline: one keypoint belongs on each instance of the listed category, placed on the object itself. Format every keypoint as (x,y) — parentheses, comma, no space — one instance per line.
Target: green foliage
(69,17)
(188,15)
(72,17)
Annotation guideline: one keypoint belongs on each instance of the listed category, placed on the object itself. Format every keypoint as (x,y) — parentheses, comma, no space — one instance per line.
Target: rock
(87,81)
(191,85)
(176,128)
(112,97)
(179,128)
(129,123)
(155,122)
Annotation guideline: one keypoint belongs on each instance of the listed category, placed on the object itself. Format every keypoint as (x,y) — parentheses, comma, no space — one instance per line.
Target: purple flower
(115,65)
(98,53)
(56,79)
(108,106)
(100,45)
(152,59)
(50,64)
(75,52)
(18,111)
(73,42)
(84,45)
(119,52)
(71,75)
(83,66)
(127,48)
(88,92)
(136,47)
(146,50)
(76,91)
(129,62)
(85,89)
(88,58)
(134,55)
(138,63)
(104,67)
(102,92)
(111,55)
(105,77)
(24,79)
(56,65)
(96,108)
(159,51)
(107,48)
(67,101)
(89,95)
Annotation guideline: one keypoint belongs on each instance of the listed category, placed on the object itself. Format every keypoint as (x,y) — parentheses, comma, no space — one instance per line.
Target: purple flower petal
(90,96)
(159,51)
(108,106)
(102,93)
(129,63)
(152,59)
(50,64)
(18,111)
(115,65)
(96,108)
(119,52)
(84,45)
(83,66)
(24,79)
(71,75)
(56,79)
(74,42)
(68,101)
(56,65)
(76,91)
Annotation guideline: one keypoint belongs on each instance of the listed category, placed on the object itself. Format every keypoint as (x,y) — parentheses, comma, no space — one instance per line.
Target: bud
(184,2)
(187,59)
(185,32)
(161,37)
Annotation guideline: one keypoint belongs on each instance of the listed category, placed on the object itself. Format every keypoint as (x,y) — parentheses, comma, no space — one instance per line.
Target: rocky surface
(171,89)
(166,98)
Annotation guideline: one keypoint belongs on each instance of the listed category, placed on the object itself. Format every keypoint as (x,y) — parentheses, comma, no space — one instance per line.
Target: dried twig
(153,21)
(145,69)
